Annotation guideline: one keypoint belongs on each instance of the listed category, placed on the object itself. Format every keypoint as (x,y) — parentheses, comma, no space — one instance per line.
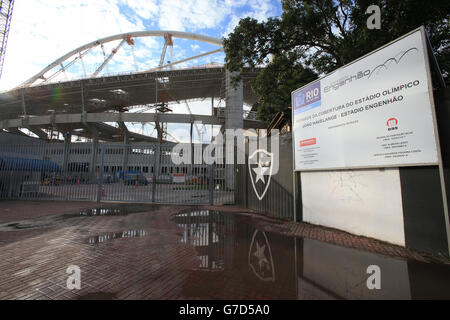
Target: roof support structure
(64,68)
(108,59)
(123,128)
(138,34)
(116,117)
(16,131)
(184,60)
(39,132)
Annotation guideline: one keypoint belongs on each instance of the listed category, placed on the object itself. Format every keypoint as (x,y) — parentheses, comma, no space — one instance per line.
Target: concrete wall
(423,209)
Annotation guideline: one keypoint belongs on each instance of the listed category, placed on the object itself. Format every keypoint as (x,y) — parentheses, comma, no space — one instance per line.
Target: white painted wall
(362,202)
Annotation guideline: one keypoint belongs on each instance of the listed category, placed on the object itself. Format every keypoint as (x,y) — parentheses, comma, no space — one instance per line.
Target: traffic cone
(103,191)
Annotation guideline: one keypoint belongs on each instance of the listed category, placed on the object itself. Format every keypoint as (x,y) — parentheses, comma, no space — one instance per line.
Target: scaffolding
(6,9)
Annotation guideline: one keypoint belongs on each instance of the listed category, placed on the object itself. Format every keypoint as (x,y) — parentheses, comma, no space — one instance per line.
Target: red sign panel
(309,142)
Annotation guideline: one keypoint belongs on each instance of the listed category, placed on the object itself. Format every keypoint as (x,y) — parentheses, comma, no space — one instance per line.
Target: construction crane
(6,10)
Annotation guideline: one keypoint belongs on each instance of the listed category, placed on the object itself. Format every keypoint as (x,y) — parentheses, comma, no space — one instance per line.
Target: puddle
(52,221)
(121,210)
(116,235)
(19,226)
(237,260)
(103,212)
(236,256)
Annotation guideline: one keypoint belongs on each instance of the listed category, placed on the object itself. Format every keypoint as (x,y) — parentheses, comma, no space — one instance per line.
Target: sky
(44,30)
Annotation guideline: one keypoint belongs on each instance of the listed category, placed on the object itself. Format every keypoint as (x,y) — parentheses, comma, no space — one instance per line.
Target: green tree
(275,84)
(317,36)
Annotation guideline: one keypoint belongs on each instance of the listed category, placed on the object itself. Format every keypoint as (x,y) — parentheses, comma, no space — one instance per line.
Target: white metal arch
(79,52)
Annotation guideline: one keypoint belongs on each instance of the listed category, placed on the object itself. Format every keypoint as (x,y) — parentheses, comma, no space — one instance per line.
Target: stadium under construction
(74,139)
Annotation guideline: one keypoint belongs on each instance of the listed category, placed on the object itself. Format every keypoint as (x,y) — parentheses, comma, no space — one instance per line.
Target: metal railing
(109,172)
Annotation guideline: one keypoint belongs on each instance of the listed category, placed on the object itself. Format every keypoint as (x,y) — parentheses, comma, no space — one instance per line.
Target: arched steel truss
(65,61)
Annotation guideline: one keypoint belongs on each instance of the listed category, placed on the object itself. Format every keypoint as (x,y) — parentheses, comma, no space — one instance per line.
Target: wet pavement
(156,252)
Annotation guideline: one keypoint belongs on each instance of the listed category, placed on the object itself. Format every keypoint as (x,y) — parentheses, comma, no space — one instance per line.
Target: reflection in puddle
(103,212)
(118,235)
(117,210)
(203,230)
(270,266)
(260,257)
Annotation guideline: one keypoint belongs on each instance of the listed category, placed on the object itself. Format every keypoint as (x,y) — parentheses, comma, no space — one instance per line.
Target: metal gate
(109,172)
(277,202)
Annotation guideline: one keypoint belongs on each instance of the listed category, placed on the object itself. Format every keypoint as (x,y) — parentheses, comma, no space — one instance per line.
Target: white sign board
(179,178)
(374,112)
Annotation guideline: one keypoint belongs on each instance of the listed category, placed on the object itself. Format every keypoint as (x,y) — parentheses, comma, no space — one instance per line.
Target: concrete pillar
(83,109)
(94,155)
(234,117)
(126,142)
(67,143)
(234,112)
(24,107)
(191,146)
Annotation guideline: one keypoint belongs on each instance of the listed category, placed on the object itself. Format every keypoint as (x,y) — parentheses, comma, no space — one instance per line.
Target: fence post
(246,173)
(155,169)
(211,184)
(100,180)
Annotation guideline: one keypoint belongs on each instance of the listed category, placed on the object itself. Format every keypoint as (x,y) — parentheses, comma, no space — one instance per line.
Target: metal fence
(109,172)
(277,201)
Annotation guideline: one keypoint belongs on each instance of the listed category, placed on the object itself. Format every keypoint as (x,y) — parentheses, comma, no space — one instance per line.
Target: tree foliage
(317,36)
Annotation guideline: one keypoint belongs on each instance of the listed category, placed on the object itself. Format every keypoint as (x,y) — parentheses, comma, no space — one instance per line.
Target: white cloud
(182,15)
(260,10)
(231,25)
(41,32)
(44,30)
(146,9)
